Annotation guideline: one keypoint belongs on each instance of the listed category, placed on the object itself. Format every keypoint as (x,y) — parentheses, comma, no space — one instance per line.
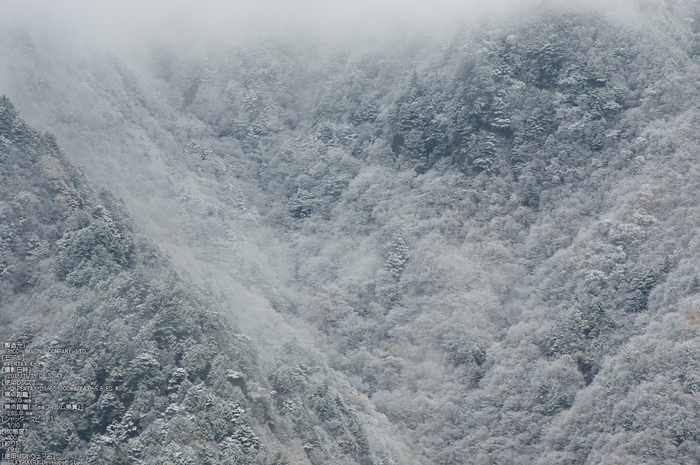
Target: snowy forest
(476,244)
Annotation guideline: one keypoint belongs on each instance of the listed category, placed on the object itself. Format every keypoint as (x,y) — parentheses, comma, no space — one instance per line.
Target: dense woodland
(478,247)
(77,275)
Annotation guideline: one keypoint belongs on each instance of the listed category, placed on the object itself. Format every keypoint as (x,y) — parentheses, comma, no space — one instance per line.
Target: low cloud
(131,22)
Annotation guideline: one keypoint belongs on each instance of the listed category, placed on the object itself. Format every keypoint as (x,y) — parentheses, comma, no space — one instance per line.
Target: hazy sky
(131,22)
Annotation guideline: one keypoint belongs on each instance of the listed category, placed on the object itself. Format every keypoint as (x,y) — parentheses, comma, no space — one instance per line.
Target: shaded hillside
(77,275)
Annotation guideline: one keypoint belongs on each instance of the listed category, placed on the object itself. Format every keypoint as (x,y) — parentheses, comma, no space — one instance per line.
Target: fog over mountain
(332,232)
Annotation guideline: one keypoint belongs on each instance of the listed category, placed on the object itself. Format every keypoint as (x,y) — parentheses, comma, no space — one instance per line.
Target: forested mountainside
(487,241)
(186,386)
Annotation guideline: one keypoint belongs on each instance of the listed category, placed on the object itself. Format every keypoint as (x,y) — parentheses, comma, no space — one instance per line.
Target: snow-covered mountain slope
(486,241)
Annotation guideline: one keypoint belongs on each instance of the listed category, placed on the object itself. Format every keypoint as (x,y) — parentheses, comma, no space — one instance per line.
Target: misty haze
(325,232)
